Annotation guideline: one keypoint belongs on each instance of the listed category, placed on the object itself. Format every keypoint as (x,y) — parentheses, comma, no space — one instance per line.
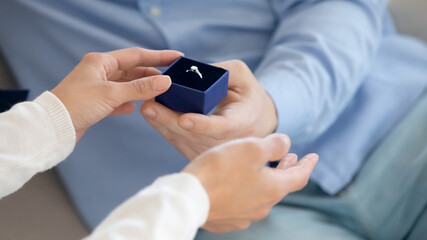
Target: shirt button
(155,11)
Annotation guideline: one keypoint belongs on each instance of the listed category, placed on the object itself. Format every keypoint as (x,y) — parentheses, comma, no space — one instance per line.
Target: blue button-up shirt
(339,76)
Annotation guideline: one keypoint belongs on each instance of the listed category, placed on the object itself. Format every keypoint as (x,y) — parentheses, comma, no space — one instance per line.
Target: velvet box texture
(191,92)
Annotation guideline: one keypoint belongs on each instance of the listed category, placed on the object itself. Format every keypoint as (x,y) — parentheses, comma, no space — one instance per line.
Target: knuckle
(239,64)
(138,50)
(171,139)
(105,60)
(140,86)
(135,49)
(94,57)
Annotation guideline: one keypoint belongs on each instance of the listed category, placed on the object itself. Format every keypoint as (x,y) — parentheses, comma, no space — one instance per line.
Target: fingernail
(160,83)
(313,156)
(187,124)
(150,113)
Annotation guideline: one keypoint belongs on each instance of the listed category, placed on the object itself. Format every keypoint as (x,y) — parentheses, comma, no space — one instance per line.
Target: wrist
(189,187)
(59,115)
(268,118)
(63,99)
(271,112)
(208,181)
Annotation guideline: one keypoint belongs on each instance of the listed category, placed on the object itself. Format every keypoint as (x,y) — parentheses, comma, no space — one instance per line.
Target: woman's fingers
(133,57)
(125,59)
(141,89)
(134,73)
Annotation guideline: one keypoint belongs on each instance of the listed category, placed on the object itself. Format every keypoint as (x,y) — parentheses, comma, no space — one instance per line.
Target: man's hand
(246,111)
(241,187)
(107,83)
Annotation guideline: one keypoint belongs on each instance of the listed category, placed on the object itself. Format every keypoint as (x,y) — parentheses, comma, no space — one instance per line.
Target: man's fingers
(236,69)
(215,126)
(158,114)
(142,89)
(165,121)
(148,112)
(225,123)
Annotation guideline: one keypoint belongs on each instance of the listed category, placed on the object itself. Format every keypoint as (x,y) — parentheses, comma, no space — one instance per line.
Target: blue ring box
(190,93)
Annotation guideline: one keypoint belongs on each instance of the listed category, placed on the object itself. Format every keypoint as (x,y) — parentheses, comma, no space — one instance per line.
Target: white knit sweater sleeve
(172,208)
(34,136)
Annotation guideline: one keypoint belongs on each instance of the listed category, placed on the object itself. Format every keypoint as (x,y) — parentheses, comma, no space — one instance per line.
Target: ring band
(195,69)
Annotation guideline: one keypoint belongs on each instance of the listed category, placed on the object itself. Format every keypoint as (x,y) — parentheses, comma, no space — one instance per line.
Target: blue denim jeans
(386,200)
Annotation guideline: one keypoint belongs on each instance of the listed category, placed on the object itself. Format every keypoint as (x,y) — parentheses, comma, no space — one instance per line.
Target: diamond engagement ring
(195,69)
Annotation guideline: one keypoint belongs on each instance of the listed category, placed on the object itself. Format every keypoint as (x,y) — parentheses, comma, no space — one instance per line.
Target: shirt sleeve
(173,207)
(317,59)
(34,136)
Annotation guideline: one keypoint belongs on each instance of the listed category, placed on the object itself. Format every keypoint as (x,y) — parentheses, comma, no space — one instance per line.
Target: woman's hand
(107,83)
(241,187)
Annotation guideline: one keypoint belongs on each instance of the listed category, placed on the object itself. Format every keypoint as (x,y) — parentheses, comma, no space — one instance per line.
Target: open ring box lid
(189,92)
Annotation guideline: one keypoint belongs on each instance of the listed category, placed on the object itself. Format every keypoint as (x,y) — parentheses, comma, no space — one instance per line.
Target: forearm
(34,136)
(173,207)
(317,60)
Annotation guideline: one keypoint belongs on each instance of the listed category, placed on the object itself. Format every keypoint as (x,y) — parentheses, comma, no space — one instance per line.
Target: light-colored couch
(410,17)
(41,210)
